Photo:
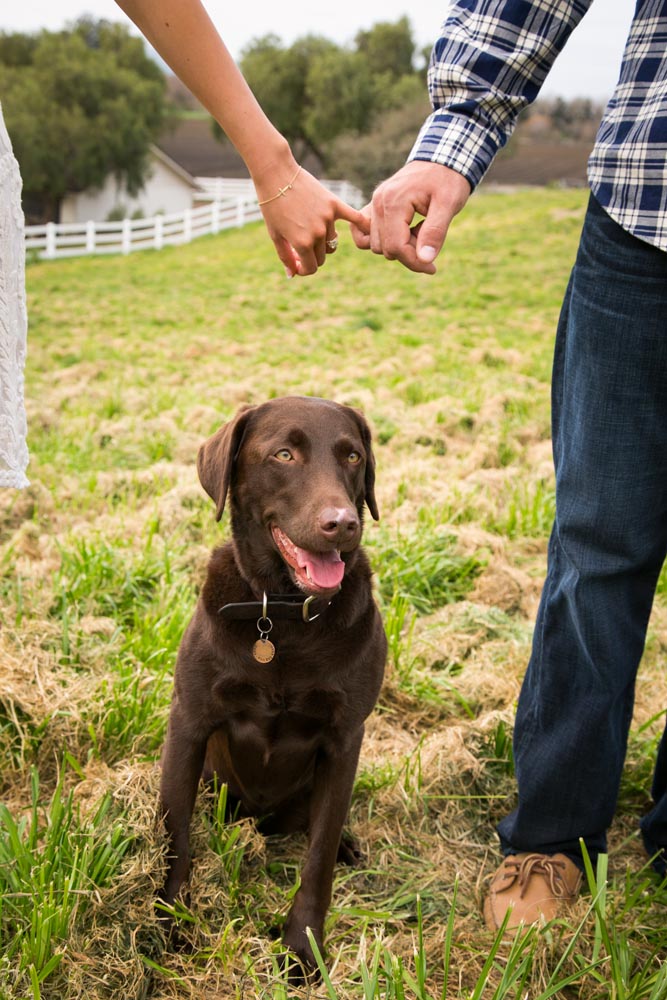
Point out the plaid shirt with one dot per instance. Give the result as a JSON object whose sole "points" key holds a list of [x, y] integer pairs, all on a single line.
{"points": [[490, 63]]}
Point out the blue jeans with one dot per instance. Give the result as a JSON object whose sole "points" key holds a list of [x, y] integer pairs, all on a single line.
{"points": [[608, 544]]}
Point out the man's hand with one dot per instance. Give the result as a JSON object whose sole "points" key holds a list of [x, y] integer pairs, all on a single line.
{"points": [[419, 188]]}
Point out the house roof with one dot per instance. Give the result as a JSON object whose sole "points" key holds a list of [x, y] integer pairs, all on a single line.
{"points": [[172, 165], [190, 143]]}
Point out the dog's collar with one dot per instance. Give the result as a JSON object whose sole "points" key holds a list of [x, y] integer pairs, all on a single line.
{"points": [[279, 606]]}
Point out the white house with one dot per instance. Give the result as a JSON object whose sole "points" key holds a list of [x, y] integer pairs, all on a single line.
{"points": [[168, 188]]}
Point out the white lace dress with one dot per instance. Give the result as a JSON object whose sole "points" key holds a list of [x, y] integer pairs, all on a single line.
{"points": [[13, 320]]}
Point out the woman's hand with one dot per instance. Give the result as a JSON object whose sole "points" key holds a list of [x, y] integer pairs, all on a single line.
{"points": [[301, 220]]}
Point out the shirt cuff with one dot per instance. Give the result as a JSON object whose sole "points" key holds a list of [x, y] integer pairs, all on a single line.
{"points": [[457, 142]]}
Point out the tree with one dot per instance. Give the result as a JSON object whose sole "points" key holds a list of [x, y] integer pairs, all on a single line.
{"points": [[388, 48], [368, 159], [314, 91], [278, 78], [425, 57], [340, 96], [79, 105]]}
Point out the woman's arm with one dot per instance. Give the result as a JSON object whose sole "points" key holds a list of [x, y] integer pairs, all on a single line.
{"points": [[301, 221]]}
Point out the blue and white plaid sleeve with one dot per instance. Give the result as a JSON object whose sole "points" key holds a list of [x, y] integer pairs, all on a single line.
{"points": [[487, 66]]}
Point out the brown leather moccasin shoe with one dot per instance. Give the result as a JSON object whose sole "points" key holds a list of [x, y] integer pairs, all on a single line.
{"points": [[534, 887]]}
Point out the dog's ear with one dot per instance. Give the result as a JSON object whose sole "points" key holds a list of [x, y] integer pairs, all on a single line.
{"points": [[216, 458], [369, 484]]}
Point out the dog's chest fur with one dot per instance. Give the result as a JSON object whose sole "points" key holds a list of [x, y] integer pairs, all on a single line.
{"points": [[276, 709]]}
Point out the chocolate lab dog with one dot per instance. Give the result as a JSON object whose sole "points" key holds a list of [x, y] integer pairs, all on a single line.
{"points": [[283, 659]]}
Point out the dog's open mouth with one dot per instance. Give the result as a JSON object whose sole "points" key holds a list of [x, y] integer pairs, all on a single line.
{"points": [[314, 572]]}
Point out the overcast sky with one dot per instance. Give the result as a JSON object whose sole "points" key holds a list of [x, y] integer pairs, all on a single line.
{"points": [[587, 68]]}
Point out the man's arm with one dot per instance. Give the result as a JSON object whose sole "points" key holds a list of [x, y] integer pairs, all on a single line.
{"points": [[487, 66]]}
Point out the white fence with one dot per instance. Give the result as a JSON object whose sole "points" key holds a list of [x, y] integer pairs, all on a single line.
{"points": [[75, 239], [226, 204]]}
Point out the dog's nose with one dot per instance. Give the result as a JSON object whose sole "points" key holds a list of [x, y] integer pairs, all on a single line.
{"points": [[338, 523]]}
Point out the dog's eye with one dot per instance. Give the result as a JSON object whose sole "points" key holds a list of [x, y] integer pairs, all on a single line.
{"points": [[354, 458], [284, 455]]}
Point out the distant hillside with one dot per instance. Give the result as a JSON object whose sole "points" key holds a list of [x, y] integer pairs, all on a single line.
{"points": [[541, 161], [536, 154], [551, 145]]}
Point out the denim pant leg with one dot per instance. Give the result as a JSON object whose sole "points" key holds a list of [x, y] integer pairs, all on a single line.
{"points": [[654, 825], [608, 543]]}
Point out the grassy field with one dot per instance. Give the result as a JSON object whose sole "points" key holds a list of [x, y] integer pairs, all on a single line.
{"points": [[133, 362]]}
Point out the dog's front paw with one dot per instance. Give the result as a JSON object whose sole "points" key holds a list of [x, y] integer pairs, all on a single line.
{"points": [[167, 912], [297, 972], [300, 961], [164, 911]]}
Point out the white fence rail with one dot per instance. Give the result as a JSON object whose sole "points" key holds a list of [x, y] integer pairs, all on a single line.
{"points": [[76, 239], [227, 204]]}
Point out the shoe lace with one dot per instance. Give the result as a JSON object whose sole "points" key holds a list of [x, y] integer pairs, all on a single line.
{"points": [[537, 864]]}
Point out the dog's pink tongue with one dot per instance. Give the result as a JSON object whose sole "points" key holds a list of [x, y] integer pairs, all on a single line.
{"points": [[326, 569]]}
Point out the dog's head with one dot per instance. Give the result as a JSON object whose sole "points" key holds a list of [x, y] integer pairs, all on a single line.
{"points": [[299, 471]]}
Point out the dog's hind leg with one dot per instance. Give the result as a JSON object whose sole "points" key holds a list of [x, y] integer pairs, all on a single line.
{"points": [[349, 851]]}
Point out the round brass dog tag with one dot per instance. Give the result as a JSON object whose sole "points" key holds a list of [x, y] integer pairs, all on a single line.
{"points": [[263, 651]]}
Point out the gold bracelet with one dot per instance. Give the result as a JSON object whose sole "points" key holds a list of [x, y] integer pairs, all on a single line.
{"points": [[281, 191]]}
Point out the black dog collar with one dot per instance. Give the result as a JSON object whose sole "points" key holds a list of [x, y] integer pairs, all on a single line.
{"points": [[275, 606]]}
